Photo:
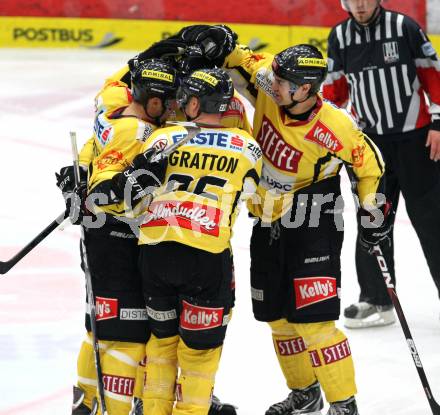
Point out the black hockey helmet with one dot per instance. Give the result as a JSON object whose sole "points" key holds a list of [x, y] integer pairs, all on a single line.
{"points": [[154, 78], [212, 86], [301, 64]]}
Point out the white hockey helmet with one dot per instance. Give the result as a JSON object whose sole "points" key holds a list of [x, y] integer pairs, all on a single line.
{"points": [[344, 4]]}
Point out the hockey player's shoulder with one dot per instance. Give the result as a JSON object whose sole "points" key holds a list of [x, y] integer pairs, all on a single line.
{"points": [[337, 117]]}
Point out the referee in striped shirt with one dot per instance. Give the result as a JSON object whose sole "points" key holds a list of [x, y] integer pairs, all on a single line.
{"points": [[383, 65]]}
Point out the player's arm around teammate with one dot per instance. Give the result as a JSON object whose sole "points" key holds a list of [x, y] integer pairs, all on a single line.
{"points": [[185, 254], [296, 244]]}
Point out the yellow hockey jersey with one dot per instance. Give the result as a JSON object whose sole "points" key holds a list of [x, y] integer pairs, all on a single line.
{"points": [[116, 140], [116, 94], [205, 180], [297, 154]]}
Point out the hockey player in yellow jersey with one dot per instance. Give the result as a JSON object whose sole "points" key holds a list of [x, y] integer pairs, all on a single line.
{"points": [[114, 96], [186, 258], [112, 250], [296, 243]]}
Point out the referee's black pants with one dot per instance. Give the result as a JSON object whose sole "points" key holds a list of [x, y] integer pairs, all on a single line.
{"points": [[409, 171]]}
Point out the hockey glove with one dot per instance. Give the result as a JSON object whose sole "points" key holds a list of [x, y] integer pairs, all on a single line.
{"points": [[66, 178], [141, 177], [216, 41], [375, 227], [74, 198], [163, 49]]}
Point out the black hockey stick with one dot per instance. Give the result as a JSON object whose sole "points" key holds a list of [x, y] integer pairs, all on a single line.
{"points": [[7, 265], [89, 288], [435, 408]]}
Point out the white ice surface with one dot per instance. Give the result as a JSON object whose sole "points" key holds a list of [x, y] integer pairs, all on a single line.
{"points": [[44, 95]]}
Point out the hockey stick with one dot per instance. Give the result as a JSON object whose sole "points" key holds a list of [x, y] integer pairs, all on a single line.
{"points": [[435, 408], [89, 288], [7, 265]]}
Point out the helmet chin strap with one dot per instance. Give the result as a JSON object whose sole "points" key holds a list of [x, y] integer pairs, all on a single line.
{"points": [[295, 102], [157, 120]]}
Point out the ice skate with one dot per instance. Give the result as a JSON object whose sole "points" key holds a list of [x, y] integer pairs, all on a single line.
{"points": [[363, 314]]}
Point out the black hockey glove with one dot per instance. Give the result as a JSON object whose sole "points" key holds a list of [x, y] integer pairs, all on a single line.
{"points": [[217, 41], [141, 177], [66, 178], [166, 48], [374, 227], [74, 198]]}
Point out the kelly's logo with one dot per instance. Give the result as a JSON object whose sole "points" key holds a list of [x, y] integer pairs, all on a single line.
{"points": [[324, 137], [312, 290], [106, 308], [200, 318]]}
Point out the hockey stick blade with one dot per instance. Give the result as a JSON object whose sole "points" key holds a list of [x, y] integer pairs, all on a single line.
{"points": [[7, 265], [435, 408]]}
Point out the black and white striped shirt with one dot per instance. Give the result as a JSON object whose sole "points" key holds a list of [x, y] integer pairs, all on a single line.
{"points": [[384, 69]]}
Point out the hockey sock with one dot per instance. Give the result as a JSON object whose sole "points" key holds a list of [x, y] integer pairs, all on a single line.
{"points": [[86, 371], [331, 359], [161, 372], [292, 355], [119, 366], [196, 381]]}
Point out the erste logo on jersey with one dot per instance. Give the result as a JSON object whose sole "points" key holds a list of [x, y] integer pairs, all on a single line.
{"points": [[194, 317], [222, 140], [282, 155], [102, 128], [312, 290], [106, 308], [185, 214], [324, 137]]}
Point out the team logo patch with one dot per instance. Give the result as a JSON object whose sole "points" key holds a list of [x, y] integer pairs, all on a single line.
{"points": [[109, 159], [324, 137], [106, 308], [119, 385], [312, 290], [195, 317], [282, 155], [290, 347], [390, 52], [336, 352], [189, 215], [357, 156]]}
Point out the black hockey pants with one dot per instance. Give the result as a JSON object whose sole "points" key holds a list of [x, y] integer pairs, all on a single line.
{"points": [[409, 171]]}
